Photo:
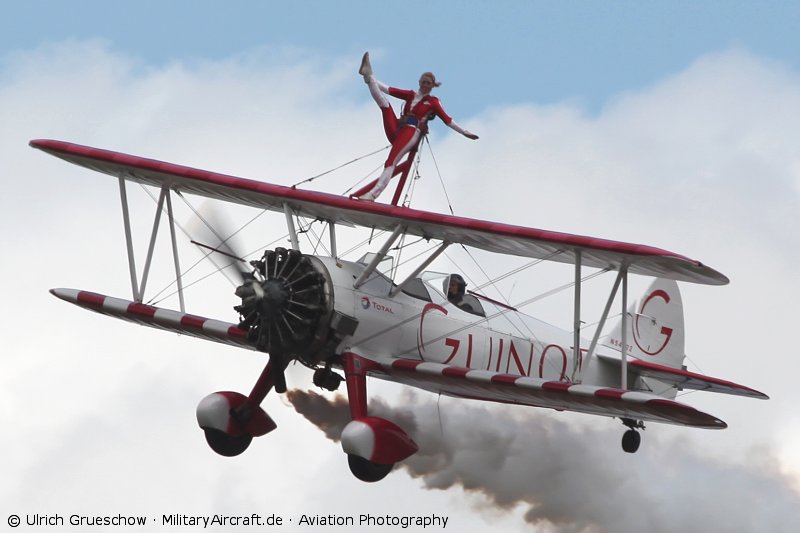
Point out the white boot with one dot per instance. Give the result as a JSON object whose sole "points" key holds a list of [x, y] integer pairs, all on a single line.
{"points": [[365, 69], [381, 184]]}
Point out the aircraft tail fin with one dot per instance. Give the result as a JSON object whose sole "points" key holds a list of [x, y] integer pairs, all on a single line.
{"points": [[655, 326]]}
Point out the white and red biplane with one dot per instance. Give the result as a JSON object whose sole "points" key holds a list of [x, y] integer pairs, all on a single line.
{"points": [[330, 314]]}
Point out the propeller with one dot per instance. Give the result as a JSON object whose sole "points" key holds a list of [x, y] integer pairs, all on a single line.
{"points": [[213, 232], [284, 300]]}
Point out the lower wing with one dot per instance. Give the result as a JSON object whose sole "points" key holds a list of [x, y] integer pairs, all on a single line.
{"points": [[562, 396], [157, 317]]}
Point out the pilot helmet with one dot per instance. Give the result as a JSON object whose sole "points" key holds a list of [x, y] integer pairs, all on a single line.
{"points": [[459, 281]]}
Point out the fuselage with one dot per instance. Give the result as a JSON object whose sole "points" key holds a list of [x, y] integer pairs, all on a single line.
{"points": [[420, 323]]}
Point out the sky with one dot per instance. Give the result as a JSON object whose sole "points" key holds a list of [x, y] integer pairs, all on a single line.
{"points": [[667, 123]]}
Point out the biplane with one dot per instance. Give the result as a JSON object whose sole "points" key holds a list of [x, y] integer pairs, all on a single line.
{"points": [[347, 320]]}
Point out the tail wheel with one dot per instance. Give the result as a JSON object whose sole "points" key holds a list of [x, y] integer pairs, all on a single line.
{"points": [[367, 470], [631, 440], [284, 308]]}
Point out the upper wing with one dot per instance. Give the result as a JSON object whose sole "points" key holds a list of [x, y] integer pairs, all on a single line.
{"points": [[559, 395], [492, 236]]}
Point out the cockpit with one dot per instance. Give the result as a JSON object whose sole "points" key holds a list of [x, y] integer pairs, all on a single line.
{"points": [[436, 287], [441, 288]]}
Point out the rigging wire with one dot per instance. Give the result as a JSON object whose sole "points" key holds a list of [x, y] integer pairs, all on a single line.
{"points": [[438, 172], [186, 233], [312, 178], [518, 269], [399, 248], [319, 244], [154, 300], [503, 298], [362, 243], [695, 364], [484, 319], [494, 281], [359, 182], [561, 288]]}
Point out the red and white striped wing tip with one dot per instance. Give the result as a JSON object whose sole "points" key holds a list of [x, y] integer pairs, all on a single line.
{"points": [[157, 317], [508, 388]]}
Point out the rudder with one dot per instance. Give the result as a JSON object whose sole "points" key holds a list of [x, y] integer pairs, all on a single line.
{"points": [[655, 326]]}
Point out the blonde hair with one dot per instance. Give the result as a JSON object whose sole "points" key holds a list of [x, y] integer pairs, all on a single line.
{"points": [[432, 77]]}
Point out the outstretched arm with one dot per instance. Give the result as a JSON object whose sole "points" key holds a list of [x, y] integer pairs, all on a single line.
{"points": [[466, 133], [447, 119]]}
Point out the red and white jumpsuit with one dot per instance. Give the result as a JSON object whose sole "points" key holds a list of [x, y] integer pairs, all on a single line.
{"points": [[404, 134]]}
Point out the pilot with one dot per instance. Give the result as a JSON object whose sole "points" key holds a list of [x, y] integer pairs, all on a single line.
{"points": [[456, 288], [404, 133]]}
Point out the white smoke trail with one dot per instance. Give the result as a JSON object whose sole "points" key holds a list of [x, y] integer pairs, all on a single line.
{"points": [[568, 476]]}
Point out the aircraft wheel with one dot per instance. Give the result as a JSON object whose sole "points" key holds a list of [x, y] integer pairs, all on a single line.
{"points": [[367, 470], [227, 445], [631, 440]]}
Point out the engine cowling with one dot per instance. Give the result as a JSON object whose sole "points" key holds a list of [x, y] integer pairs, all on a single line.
{"points": [[287, 305]]}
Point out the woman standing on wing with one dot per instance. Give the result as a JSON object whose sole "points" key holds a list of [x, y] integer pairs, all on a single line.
{"points": [[420, 106]]}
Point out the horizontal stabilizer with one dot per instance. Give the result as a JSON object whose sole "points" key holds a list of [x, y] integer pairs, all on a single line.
{"points": [[690, 380]]}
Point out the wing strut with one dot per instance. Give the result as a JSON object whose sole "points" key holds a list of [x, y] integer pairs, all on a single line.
{"points": [[332, 230], [290, 226], [126, 219], [378, 257], [420, 268], [150, 248], [178, 275], [624, 365], [576, 317], [137, 287], [604, 317]]}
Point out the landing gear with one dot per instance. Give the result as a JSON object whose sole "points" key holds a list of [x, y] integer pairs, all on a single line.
{"points": [[367, 470], [631, 439], [227, 445], [230, 420], [373, 445]]}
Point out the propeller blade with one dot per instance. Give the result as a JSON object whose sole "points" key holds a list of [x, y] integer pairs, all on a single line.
{"points": [[214, 232]]}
